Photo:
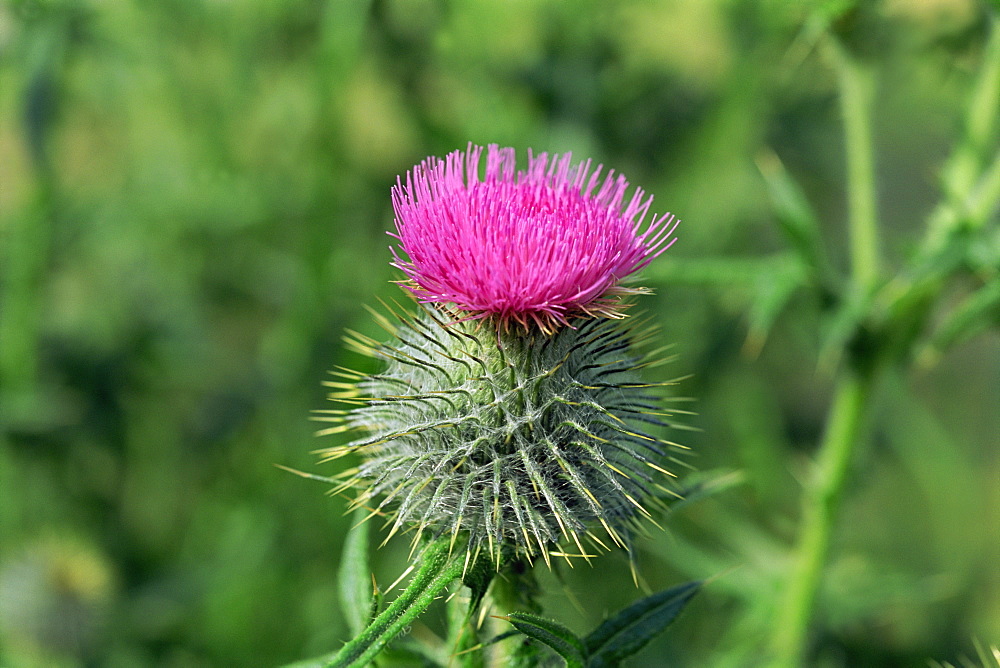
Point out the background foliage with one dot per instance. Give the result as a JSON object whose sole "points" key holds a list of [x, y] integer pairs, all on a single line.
{"points": [[193, 200]]}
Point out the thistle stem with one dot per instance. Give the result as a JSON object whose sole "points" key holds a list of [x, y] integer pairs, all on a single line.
{"points": [[515, 590], [821, 500], [821, 503], [440, 566], [856, 94]]}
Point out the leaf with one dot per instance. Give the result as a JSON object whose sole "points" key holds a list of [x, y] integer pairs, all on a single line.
{"points": [[722, 271], [354, 577], [796, 218], [771, 298], [967, 159], [705, 484], [977, 312], [631, 629], [563, 641], [526, 655]]}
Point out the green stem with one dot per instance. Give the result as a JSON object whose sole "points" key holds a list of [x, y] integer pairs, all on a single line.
{"points": [[856, 94], [462, 638], [983, 199], [821, 500], [515, 590], [821, 504], [440, 566], [966, 163]]}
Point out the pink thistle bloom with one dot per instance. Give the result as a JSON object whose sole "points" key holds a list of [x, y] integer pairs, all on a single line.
{"points": [[529, 247]]}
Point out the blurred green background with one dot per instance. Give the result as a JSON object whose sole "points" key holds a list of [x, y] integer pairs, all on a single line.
{"points": [[194, 196]]}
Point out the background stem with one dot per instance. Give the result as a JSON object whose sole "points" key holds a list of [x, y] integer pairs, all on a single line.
{"points": [[821, 504], [856, 94], [821, 499]]}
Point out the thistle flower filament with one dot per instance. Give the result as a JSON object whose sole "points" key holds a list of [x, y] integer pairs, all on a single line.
{"points": [[533, 247]]}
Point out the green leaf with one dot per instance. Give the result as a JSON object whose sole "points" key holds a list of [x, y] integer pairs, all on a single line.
{"points": [[722, 271], [631, 629], [701, 485], [771, 298], [354, 576], [795, 216], [906, 305], [966, 162], [525, 655], [563, 641], [977, 312], [964, 202]]}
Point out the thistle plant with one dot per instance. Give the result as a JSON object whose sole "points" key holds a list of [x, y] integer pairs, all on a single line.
{"points": [[509, 422], [885, 316]]}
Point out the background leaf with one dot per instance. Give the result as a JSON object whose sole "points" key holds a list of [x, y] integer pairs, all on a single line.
{"points": [[552, 634], [194, 198], [354, 579], [796, 218], [631, 629]]}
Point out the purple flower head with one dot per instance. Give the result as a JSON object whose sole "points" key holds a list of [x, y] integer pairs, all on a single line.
{"points": [[532, 247]]}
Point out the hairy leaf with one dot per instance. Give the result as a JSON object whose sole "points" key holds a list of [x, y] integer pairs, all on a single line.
{"points": [[354, 576], [563, 641], [627, 632]]}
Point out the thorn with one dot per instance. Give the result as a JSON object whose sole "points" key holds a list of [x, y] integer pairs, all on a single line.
{"points": [[597, 540], [330, 431], [613, 534], [597, 504], [661, 469], [564, 556], [359, 523], [415, 542], [545, 554], [303, 474], [482, 617], [639, 506], [401, 577], [583, 553], [618, 471]]}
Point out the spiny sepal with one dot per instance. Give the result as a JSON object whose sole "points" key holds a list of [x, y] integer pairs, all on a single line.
{"points": [[521, 440]]}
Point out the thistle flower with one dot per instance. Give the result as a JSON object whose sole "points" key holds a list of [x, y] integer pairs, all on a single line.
{"points": [[530, 247], [523, 438]]}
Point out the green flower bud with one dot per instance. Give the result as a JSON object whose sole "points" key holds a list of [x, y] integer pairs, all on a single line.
{"points": [[525, 441]]}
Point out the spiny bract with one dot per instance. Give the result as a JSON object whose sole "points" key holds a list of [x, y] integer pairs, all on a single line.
{"points": [[523, 441]]}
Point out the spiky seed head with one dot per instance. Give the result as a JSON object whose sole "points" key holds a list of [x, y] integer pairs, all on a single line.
{"points": [[524, 441], [533, 247]]}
